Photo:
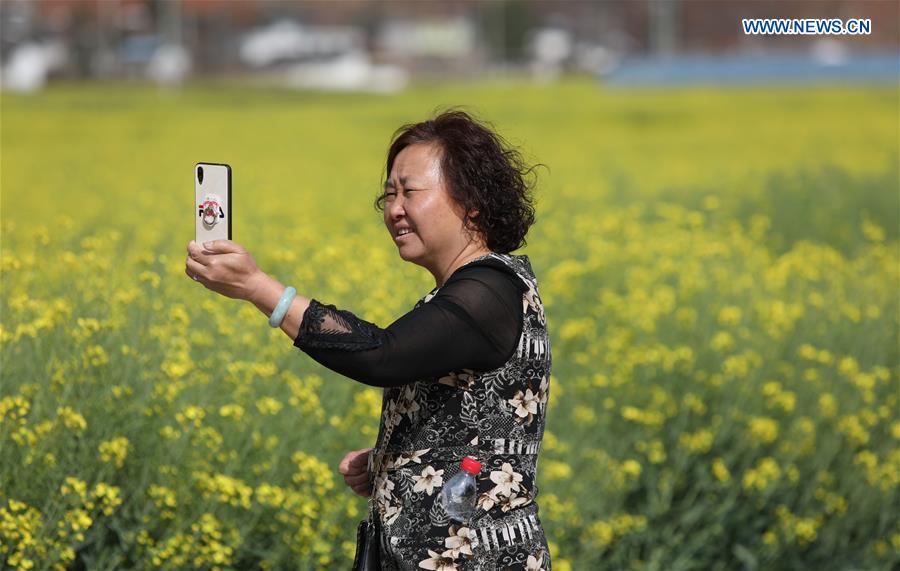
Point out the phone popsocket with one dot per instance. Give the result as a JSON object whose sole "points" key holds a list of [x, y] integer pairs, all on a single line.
{"points": [[211, 210]]}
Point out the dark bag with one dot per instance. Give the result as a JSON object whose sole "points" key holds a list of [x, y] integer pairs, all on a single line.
{"points": [[368, 551], [368, 535]]}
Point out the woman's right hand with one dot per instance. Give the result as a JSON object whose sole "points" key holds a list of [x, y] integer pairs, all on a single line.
{"points": [[356, 475]]}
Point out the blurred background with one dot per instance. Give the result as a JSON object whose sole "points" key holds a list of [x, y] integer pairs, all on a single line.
{"points": [[379, 45]]}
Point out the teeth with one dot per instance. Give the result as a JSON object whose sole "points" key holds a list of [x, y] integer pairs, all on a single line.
{"points": [[404, 231]]}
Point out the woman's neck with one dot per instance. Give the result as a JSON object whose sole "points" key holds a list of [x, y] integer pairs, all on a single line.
{"points": [[469, 253]]}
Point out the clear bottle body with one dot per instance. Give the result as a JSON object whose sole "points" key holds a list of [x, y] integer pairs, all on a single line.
{"points": [[459, 496]]}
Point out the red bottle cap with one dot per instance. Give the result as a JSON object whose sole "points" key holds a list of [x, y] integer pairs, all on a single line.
{"points": [[470, 465]]}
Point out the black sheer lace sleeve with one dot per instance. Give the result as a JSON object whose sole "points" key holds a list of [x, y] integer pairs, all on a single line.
{"points": [[473, 322], [327, 327]]}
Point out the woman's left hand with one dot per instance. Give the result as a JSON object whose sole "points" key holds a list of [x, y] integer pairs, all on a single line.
{"points": [[224, 267]]}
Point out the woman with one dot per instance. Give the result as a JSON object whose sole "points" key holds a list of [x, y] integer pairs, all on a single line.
{"points": [[465, 372]]}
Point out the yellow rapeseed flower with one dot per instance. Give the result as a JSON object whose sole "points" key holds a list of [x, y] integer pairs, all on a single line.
{"points": [[150, 277], [584, 414], [873, 231], [268, 405], [162, 496], [834, 503], [108, 496], [312, 471], [721, 341], [600, 533], [14, 410], [226, 489], [786, 400], [730, 316], [698, 442], [95, 355], [656, 452], [269, 495], [763, 430], [191, 415], [576, 328], [234, 411], [827, 405], [738, 366], [114, 450], [556, 470], [805, 530], [631, 468], [646, 417], [178, 314], [853, 429], [807, 351], [720, 471], [695, 403], [78, 519], [848, 366], [71, 419], [169, 433], [895, 430], [766, 473]]}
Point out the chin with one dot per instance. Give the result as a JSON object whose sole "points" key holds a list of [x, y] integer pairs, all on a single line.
{"points": [[410, 255]]}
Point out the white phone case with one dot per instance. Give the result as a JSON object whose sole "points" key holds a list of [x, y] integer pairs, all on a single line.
{"points": [[212, 201]]}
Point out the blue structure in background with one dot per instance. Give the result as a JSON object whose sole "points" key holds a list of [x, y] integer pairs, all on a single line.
{"points": [[746, 69]]}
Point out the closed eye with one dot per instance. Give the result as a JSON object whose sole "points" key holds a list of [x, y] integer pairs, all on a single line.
{"points": [[394, 193]]}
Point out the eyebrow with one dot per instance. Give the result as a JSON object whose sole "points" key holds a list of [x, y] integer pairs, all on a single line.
{"points": [[390, 184]]}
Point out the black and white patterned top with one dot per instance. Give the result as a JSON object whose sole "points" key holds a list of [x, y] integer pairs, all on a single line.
{"points": [[430, 423]]}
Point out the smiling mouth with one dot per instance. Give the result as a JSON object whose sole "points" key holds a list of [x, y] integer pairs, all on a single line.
{"points": [[402, 236]]}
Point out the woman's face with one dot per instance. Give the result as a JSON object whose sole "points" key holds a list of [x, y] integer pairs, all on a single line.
{"points": [[418, 204]]}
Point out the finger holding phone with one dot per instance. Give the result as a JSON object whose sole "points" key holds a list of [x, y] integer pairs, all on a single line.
{"points": [[224, 267]]}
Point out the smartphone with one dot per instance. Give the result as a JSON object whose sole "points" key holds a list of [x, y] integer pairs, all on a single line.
{"points": [[212, 197]]}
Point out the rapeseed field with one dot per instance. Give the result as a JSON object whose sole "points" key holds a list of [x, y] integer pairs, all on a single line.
{"points": [[719, 269]]}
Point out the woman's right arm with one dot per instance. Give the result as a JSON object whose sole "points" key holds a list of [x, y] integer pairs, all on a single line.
{"points": [[473, 322]]}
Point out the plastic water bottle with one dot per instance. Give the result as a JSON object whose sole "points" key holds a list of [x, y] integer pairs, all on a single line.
{"points": [[459, 494]]}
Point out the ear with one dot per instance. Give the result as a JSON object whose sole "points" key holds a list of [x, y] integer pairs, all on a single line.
{"points": [[470, 218]]}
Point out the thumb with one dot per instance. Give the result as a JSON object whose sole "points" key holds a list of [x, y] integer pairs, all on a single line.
{"points": [[222, 246]]}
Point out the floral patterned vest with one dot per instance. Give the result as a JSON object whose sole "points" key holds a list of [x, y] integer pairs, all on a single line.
{"points": [[494, 416]]}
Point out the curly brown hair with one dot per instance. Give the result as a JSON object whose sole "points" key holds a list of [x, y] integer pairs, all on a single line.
{"points": [[484, 175]]}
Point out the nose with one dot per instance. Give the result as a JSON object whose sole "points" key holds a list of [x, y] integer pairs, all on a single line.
{"points": [[395, 209]]}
